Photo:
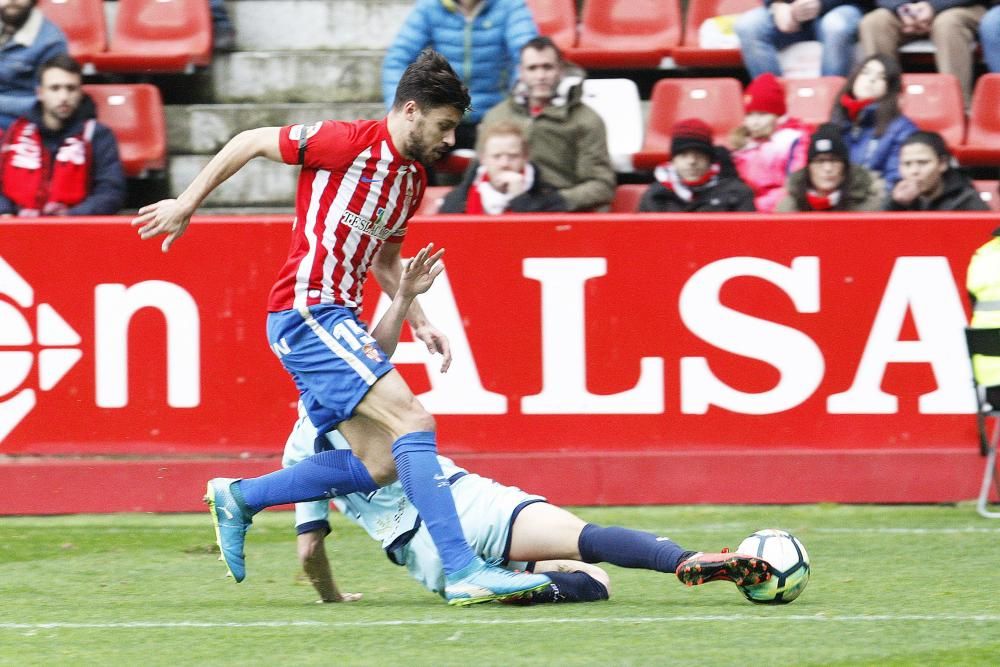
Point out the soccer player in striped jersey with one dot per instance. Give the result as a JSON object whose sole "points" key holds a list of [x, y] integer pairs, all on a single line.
{"points": [[359, 184]]}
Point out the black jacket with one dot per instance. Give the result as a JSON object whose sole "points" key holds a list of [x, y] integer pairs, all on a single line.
{"points": [[958, 194], [540, 198], [728, 194]]}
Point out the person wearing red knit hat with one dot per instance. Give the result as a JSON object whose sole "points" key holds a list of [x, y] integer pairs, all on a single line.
{"points": [[699, 176], [768, 145]]}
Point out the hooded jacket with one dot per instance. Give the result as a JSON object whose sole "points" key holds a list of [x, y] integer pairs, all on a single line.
{"points": [[105, 181], [568, 143], [484, 50], [35, 42], [766, 164], [863, 191], [725, 193], [957, 194]]}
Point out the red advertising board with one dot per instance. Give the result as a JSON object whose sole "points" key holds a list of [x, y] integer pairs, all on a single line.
{"points": [[598, 358]]}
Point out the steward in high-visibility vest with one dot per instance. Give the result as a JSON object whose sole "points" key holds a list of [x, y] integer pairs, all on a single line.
{"points": [[983, 283]]}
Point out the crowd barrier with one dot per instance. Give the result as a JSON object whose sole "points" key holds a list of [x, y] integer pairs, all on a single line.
{"points": [[600, 359]]}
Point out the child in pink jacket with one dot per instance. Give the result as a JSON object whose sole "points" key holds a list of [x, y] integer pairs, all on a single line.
{"points": [[769, 146]]}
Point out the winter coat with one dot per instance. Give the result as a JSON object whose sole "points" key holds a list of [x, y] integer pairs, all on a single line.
{"points": [[726, 194], [880, 154], [483, 50], [106, 192], [765, 165], [958, 194], [35, 42], [540, 197], [863, 191], [568, 143]]}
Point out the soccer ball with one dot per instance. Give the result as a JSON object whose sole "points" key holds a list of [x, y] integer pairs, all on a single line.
{"points": [[789, 566]]}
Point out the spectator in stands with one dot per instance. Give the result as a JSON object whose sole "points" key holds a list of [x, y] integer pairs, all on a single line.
{"points": [[698, 177], [58, 160], [928, 181], [223, 33], [768, 145], [989, 37], [504, 180], [950, 24], [829, 182], [27, 39], [764, 31], [481, 39], [567, 138], [869, 118]]}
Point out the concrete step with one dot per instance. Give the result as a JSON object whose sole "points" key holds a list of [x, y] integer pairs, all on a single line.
{"points": [[201, 129], [259, 183], [309, 25]]}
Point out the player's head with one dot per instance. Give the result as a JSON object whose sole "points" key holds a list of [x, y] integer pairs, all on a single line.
{"points": [[59, 89], [432, 99]]}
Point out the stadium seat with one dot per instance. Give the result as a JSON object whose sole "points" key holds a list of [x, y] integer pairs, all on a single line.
{"points": [[626, 33], [989, 193], [810, 100], [83, 23], [134, 112], [556, 19], [627, 197], [986, 342], [717, 101], [433, 197], [982, 144], [690, 52], [934, 102], [617, 101], [157, 36]]}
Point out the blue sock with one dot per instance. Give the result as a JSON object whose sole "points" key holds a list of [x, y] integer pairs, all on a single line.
{"points": [[323, 475], [628, 548], [428, 489]]}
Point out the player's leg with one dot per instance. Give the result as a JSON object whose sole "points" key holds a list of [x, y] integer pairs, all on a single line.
{"points": [[572, 581]]}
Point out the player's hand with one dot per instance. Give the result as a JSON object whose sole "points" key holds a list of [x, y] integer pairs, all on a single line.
{"points": [[905, 191], [436, 342], [419, 273], [342, 597], [164, 217]]}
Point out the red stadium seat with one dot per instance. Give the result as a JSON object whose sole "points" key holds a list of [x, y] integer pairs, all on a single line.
{"points": [[626, 33], [982, 145], [627, 197], [810, 100], [989, 193], [690, 53], [718, 102], [556, 19], [433, 197], [934, 102], [158, 36], [134, 112], [83, 23]]}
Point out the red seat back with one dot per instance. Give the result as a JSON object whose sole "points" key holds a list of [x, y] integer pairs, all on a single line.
{"points": [[627, 197], [627, 33], [718, 102], [433, 196], [163, 28], [82, 21], [934, 103], [556, 19], [811, 100], [988, 192], [984, 117], [134, 112]]}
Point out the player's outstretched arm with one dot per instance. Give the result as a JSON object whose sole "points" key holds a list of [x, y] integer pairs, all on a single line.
{"points": [[170, 217], [316, 565], [416, 277]]}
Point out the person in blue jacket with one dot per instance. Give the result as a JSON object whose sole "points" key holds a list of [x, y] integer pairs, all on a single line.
{"points": [[27, 39], [867, 113], [482, 41]]}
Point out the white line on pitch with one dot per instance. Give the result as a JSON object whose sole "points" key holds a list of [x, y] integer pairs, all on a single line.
{"points": [[882, 530], [782, 618]]}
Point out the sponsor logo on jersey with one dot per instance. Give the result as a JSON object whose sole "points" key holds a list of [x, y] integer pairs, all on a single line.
{"points": [[376, 227], [372, 352]]}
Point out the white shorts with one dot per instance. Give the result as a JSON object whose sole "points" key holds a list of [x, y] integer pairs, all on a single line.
{"points": [[486, 510]]}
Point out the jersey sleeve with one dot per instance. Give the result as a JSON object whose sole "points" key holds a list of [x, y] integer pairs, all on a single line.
{"points": [[318, 145]]}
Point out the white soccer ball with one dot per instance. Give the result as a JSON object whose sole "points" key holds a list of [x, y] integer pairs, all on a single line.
{"points": [[789, 563]]}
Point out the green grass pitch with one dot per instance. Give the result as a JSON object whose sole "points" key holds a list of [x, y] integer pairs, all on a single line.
{"points": [[891, 585]]}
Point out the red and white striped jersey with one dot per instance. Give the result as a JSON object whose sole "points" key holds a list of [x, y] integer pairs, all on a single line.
{"points": [[355, 192]]}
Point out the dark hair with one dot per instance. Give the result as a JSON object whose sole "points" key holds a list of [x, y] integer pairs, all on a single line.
{"points": [[61, 61], [932, 140], [431, 82], [888, 105], [541, 43]]}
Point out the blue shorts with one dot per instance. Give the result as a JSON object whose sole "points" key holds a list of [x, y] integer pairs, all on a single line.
{"points": [[332, 358]]}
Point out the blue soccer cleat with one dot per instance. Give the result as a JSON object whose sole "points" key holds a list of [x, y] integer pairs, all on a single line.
{"points": [[480, 582], [232, 519]]}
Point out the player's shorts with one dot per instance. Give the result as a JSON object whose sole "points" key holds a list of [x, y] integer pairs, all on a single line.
{"points": [[331, 357], [487, 511]]}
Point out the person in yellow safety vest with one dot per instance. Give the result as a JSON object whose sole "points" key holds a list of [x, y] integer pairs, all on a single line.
{"points": [[983, 283]]}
